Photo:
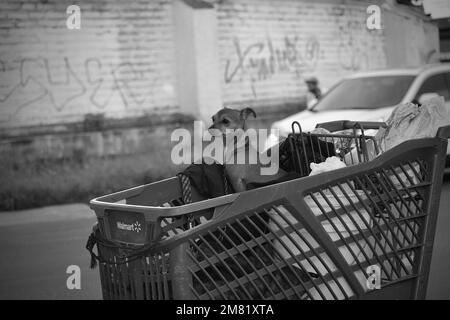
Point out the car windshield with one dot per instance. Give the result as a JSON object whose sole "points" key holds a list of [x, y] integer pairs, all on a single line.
{"points": [[366, 93]]}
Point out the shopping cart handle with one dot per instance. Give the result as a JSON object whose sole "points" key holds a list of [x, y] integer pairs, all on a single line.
{"points": [[346, 124], [443, 132]]}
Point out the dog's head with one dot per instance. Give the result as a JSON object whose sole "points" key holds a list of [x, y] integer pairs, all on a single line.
{"points": [[231, 119]]}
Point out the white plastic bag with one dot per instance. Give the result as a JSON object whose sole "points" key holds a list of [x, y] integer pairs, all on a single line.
{"points": [[331, 163], [409, 121]]}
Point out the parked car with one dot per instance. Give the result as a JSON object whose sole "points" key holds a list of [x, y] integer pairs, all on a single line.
{"points": [[371, 96]]}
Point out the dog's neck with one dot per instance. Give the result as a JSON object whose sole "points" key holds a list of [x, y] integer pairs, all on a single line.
{"points": [[233, 147]]}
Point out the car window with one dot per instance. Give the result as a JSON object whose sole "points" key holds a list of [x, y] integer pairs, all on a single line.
{"points": [[436, 84], [366, 93]]}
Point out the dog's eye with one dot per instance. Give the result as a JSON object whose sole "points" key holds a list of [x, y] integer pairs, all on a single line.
{"points": [[226, 121]]}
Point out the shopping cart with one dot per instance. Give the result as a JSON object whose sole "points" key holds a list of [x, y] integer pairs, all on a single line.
{"points": [[362, 232]]}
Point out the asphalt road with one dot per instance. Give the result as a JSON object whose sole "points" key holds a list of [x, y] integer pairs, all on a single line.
{"points": [[439, 281], [35, 254], [37, 246]]}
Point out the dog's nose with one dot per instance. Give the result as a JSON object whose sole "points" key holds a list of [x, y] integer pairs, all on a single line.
{"points": [[214, 131]]}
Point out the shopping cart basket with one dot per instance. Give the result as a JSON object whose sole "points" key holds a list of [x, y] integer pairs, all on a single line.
{"points": [[362, 232], [351, 143]]}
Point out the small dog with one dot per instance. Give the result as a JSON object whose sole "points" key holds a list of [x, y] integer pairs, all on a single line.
{"points": [[240, 174]]}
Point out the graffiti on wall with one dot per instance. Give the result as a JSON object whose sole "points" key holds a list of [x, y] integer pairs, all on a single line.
{"points": [[344, 45], [124, 78], [356, 45], [261, 60], [36, 80]]}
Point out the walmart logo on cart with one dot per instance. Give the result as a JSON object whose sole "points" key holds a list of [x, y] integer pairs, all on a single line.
{"points": [[136, 227]]}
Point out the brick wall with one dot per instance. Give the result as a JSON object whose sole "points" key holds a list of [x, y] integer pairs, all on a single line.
{"points": [[121, 62], [412, 40], [267, 47]]}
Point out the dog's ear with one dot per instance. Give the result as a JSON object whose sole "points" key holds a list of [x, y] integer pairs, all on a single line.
{"points": [[246, 112]]}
